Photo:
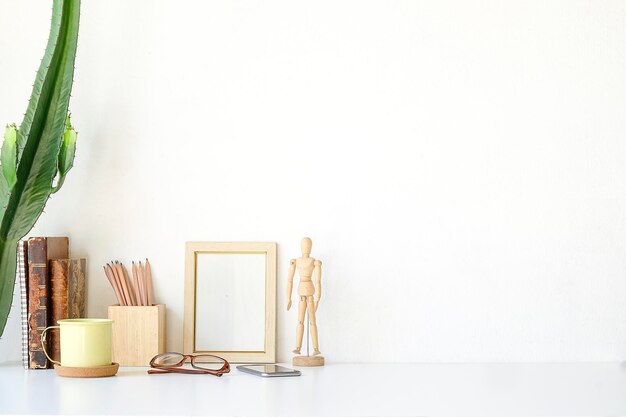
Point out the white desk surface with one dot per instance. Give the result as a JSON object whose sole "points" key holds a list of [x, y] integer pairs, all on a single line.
{"points": [[583, 389]]}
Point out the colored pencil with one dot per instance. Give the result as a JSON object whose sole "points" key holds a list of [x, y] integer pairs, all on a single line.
{"points": [[128, 282], [138, 294], [114, 285], [142, 283], [150, 297], [124, 285], [117, 282]]}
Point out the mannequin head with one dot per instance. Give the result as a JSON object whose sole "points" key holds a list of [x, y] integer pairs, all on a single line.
{"points": [[306, 245]]}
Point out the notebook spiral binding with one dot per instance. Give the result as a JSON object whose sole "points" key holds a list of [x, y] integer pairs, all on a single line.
{"points": [[20, 273]]}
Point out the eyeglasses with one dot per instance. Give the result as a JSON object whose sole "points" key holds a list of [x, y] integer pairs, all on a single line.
{"points": [[202, 364]]}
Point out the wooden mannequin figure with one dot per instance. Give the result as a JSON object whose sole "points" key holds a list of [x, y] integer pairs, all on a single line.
{"points": [[309, 298]]}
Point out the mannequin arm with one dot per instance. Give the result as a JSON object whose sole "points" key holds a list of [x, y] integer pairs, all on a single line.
{"points": [[292, 272], [317, 272]]}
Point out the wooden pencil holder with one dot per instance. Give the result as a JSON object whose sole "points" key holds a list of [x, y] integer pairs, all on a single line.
{"points": [[138, 333]]}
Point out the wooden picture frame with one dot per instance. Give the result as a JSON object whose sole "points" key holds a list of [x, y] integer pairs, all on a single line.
{"points": [[192, 250]]}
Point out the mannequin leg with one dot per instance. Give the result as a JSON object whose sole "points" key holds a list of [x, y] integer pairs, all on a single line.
{"points": [[300, 331], [312, 322]]}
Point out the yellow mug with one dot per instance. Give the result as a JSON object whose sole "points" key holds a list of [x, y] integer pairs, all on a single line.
{"points": [[84, 342]]}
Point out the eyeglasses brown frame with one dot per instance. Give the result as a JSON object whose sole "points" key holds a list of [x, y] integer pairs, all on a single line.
{"points": [[176, 368]]}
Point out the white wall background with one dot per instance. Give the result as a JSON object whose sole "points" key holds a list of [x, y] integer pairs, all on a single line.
{"points": [[460, 166]]}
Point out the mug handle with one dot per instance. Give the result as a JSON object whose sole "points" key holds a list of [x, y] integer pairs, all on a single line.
{"points": [[43, 343]]}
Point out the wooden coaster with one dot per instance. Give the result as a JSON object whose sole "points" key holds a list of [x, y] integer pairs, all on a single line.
{"points": [[308, 361], [90, 372]]}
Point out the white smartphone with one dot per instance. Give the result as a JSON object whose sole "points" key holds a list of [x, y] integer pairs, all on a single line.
{"points": [[268, 371]]}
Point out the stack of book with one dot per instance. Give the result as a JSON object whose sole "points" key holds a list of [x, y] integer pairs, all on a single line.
{"points": [[52, 288]]}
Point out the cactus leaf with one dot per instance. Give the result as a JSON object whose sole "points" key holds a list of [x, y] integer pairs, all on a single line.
{"points": [[39, 141], [8, 157], [66, 154], [4, 196], [44, 124], [68, 149]]}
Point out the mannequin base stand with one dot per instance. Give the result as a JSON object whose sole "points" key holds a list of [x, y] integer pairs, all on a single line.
{"points": [[308, 361]]}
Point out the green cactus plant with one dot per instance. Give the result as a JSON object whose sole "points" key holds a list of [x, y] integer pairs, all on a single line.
{"points": [[36, 157]]}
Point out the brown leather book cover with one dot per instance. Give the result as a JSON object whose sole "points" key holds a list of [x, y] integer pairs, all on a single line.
{"points": [[67, 301], [40, 251], [77, 288]]}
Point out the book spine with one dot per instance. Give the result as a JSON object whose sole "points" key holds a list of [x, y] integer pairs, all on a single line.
{"points": [[37, 300], [77, 289], [22, 248], [59, 274]]}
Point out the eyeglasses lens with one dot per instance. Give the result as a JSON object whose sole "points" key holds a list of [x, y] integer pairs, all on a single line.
{"points": [[209, 362], [168, 359]]}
